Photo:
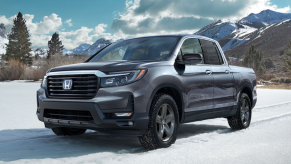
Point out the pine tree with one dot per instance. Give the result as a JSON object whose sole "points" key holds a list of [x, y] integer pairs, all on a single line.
{"points": [[288, 56], [36, 57], [2, 60], [269, 63], [253, 59], [55, 45], [19, 44]]}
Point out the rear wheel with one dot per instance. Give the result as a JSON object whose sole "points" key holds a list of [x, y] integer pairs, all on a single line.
{"points": [[163, 123], [242, 118], [68, 131]]}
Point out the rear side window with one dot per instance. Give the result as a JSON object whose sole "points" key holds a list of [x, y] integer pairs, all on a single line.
{"points": [[211, 53]]}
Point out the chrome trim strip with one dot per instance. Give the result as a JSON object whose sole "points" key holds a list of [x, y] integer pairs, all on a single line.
{"points": [[85, 72]]}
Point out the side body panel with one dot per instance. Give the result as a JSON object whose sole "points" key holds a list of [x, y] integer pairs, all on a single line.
{"points": [[244, 78], [223, 90], [198, 92]]}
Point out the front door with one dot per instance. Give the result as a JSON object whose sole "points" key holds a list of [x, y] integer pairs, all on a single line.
{"points": [[198, 83]]}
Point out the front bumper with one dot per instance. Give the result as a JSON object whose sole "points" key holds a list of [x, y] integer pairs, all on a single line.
{"points": [[107, 100]]}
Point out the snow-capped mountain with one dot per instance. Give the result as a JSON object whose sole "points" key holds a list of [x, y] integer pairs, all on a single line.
{"points": [[41, 52], [3, 39], [82, 49], [78, 50], [270, 40], [3, 33], [231, 34], [87, 49], [218, 29], [98, 45], [264, 18]]}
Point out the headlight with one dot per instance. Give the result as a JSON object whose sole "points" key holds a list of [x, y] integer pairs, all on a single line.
{"points": [[118, 80], [44, 82]]}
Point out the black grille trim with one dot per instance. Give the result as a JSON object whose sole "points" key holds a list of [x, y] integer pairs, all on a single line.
{"points": [[84, 86], [68, 115]]}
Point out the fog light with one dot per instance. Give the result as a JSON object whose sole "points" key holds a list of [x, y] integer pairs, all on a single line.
{"points": [[38, 110], [122, 114], [130, 123]]}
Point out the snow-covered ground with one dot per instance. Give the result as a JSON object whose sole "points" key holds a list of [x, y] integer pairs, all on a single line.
{"points": [[23, 139]]}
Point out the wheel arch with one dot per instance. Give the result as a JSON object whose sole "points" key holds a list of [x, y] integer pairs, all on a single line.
{"points": [[246, 88], [172, 90]]}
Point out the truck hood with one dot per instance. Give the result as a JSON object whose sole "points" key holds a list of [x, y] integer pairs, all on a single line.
{"points": [[108, 66]]}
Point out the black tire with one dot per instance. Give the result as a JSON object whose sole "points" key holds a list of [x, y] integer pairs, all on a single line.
{"points": [[158, 121], [68, 131], [241, 120]]}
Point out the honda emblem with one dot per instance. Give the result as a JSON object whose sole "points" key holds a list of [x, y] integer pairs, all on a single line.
{"points": [[67, 84]]}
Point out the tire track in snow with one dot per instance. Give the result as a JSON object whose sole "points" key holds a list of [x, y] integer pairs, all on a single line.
{"points": [[270, 119], [273, 105], [208, 135], [205, 133]]}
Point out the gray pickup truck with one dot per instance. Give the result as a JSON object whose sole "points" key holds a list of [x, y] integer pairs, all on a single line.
{"points": [[146, 87]]}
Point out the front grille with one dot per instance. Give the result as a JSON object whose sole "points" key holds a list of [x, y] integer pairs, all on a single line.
{"points": [[83, 86], [68, 115]]}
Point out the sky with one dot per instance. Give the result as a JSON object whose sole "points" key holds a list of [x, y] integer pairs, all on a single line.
{"points": [[86, 21]]}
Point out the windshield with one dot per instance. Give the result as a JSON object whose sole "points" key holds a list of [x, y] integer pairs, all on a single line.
{"points": [[151, 48]]}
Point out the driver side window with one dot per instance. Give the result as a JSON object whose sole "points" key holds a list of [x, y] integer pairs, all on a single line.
{"points": [[190, 45]]}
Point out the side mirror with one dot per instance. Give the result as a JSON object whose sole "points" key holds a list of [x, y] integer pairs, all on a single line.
{"points": [[192, 58]]}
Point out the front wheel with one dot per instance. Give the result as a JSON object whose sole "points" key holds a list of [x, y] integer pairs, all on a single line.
{"points": [[68, 131], [242, 118], [163, 123]]}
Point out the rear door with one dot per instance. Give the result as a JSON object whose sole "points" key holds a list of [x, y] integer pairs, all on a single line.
{"points": [[198, 83], [223, 92]]}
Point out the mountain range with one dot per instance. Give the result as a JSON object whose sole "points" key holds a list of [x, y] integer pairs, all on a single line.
{"points": [[231, 34], [268, 31], [82, 49]]}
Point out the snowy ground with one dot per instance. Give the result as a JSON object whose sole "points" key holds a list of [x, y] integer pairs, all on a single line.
{"points": [[23, 139]]}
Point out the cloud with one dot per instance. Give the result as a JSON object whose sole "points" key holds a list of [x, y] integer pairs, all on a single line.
{"points": [[69, 22], [39, 40], [41, 31], [49, 24], [74, 38], [100, 28], [8, 22], [144, 17]]}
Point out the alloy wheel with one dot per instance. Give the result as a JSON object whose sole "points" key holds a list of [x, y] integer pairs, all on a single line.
{"points": [[165, 121]]}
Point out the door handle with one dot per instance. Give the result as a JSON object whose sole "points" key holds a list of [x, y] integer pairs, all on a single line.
{"points": [[208, 72], [227, 71]]}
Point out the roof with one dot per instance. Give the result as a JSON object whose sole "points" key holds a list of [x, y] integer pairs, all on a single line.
{"points": [[177, 35]]}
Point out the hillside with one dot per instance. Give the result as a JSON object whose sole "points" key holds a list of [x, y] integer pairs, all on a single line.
{"points": [[268, 31], [231, 34], [270, 40], [264, 18]]}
